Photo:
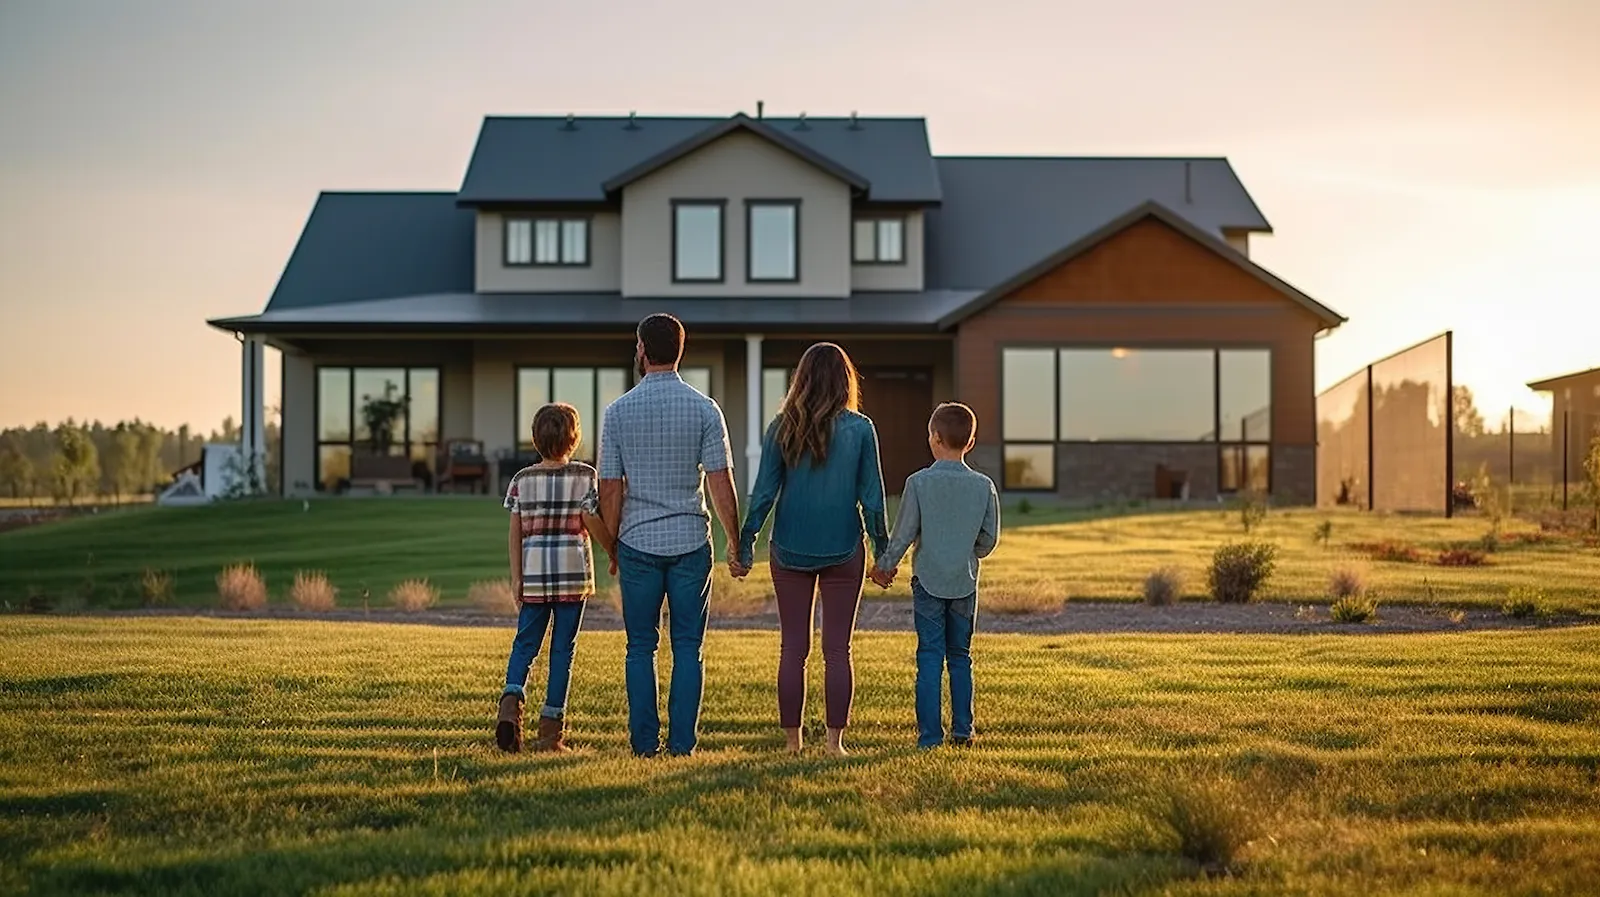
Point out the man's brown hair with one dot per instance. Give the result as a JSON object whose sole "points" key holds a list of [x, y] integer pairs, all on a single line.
{"points": [[662, 336], [556, 430], [954, 424]]}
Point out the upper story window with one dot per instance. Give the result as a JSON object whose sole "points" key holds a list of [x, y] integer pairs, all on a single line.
{"points": [[880, 241], [772, 227], [547, 241], [697, 241]]}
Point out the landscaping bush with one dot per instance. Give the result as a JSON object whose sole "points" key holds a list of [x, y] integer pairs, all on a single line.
{"points": [[1462, 556], [1206, 820], [155, 588], [494, 596], [1163, 587], [1239, 569], [414, 595], [1390, 550], [240, 587], [1524, 604], [313, 592], [1252, 507], [1347, 581], [1354, 609]]}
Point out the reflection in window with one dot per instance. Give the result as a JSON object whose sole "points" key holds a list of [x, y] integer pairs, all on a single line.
{"points": [[333, 466], [575, 386], [1246, 390], [348, 405], [589, 390], [697, 242], [774, 241], [1137, 395], [373, 387], [333, 405], [774, 386], [1030, 467], [1246, 468], [424, 406], [1028, 407]]}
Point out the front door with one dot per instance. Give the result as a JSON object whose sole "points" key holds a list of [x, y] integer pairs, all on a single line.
{"points": [[899, 401]]}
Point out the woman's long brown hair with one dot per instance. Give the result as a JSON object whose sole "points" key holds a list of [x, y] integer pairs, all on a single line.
{"points": [[825, 383]]}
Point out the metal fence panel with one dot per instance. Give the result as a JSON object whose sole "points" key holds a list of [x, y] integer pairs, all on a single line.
{"points": [[1343, 441]]}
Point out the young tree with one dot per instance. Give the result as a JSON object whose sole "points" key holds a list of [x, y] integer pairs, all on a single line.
{"points": [[122, 460], [16, 470], [77, 464]]}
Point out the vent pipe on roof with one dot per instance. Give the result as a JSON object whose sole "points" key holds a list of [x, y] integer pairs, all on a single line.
{"points": [[802, 126], [1188, 183], [854, 124], [571, 125], [761, 109], [633, 122]]}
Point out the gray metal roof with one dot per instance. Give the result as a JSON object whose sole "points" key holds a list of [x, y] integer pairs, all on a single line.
{"points": [[1001, 215], [544, 160], [374, 245], [542, 312]]}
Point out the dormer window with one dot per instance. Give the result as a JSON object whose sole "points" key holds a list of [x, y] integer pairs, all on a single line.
{"points": [[773, 230], [547, 242], [880, 240]]}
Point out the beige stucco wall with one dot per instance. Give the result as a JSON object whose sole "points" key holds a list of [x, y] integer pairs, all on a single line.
{"points": [[882, 278], [735, 168], [603, 273], [299, 424]]}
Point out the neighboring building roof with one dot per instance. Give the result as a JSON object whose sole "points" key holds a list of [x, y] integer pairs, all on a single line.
{"points": [[997, 291], [1001, 214], [374, 245], [1550, 383], [547, 159], [740, 122], [498, 312]]}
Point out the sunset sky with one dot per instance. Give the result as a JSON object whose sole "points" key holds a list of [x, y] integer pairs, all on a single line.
{"points": [[1427, 165]]}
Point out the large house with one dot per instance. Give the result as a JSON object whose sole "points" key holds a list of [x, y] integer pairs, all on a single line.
{"points": [[1101, 315], [1574, 419]]}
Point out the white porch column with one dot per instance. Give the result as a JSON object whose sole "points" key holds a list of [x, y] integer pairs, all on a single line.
{"points": [[754, 425], [253, 412]]}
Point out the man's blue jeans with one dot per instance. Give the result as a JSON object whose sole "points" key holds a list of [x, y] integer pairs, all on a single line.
{"points": [[944, 639], [531, 625], [684, 583]]}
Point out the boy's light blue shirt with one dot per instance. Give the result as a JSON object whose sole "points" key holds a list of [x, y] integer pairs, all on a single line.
{"points": [[823, 509], [952, 513]]}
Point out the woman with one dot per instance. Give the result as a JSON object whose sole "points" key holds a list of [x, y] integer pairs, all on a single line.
{"points": [[819, 463]]}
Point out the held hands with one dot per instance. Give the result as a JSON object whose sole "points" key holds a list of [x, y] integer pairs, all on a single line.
{"points": [[881, 577], [736, 569]]}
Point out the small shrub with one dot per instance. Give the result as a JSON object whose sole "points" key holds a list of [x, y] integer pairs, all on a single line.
{"points": [[494, 596], [1462, 556], [1493, 501], [1524, 604], [1354, 609], [240, 587], [1323, 534], [313, 592], [1163, 587], [1347, 581], [414, 595], [1024, 507], [1252, 508], [1391, 551], [1239, 569], [1208, 821], [155, 588]]}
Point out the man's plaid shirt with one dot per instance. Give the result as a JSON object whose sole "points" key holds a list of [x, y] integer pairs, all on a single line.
{"points": [[557, 562]]}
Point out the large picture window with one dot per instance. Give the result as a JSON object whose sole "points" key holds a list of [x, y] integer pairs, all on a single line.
{"points": [[697, 241], [589, 390], [772, 249], [350, 403], [1132, 395]]}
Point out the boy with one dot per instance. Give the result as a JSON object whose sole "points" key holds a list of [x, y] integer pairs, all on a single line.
{"points": [[554, 511], [952, 513]]}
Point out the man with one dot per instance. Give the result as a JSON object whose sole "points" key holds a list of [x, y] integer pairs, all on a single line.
{"points": [[657, 441]]}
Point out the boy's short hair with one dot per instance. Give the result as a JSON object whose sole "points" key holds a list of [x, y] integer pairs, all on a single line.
{"points": [[954, 424], [662, 336], [556, 430]]}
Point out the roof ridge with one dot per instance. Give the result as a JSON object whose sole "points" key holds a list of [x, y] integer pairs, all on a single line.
{"points": [[386, 193], [1070, 158]]}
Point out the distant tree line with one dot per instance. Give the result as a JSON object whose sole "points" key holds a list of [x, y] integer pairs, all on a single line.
{"points": [[74, 463]]}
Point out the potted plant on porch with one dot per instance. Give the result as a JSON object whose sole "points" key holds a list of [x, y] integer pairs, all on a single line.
{"points": [[372, 463]]}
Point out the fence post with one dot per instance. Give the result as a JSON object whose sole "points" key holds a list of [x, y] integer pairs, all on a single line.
{"points": [[1372, 474], [1511, 447]]}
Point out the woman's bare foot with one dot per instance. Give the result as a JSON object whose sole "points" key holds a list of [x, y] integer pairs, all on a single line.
{"points": [[836, 742], [793, 736]]}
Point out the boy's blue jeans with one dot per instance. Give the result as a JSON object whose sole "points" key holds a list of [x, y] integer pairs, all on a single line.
{"points": [[531, 624], [684, 583], [944, 639]]}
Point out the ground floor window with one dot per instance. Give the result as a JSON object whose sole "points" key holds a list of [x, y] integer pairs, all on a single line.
{"points": [[1054, 395], [589, 390], [367, 416], [698, 377], [774, 386]]}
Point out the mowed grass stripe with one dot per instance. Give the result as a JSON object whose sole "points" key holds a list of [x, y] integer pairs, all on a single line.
{"points": [[204, 756]]}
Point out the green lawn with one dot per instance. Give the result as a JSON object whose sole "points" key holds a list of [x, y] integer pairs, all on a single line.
{"points": [[212, 757], [1045, 557]]}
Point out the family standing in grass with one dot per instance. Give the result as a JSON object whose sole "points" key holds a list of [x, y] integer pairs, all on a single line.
{"points": [[664, 446]]}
